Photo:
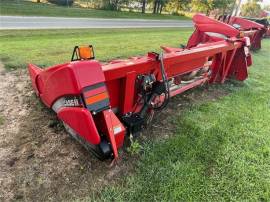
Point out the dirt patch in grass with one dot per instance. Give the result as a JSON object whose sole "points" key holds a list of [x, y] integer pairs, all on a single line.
{"points": [[39, 161]]}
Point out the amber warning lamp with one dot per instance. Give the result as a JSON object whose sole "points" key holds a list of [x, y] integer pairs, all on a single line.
{"points": [[83, 53]]}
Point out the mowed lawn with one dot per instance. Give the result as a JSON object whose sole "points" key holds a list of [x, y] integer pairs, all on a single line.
{"points": [[49, 47], [220, 150], [28, 8]]}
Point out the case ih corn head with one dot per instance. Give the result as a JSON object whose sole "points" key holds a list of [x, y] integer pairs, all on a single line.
{"points": [[101, 104], [254, 30]]}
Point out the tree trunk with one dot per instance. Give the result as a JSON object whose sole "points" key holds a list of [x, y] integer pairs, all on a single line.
{"points": [[158, 7], [238, 8], [159, 4], [234, 7], [116, 5], [161, 7], [38, 1], [177, 7], [143, 6], [155, 6]]}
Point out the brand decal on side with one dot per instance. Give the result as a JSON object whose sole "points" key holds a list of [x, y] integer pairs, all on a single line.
{"points": [[71, 102]]}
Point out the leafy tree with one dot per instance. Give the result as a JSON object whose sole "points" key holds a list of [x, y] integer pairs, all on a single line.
{"points": [[225, 6], [175, 6], [158, 5], [143, 5], [112, 4], [204, 6], [161, 5], [251, 9]]}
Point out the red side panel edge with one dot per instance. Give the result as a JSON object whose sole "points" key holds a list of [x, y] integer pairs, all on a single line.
{"points": [[33, 72], [245, 24], [65, 79], [80, 120], [206, 24], [114, 130]]}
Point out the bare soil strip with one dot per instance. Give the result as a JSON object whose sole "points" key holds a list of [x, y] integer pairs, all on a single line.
{"points": [[39, 161]]}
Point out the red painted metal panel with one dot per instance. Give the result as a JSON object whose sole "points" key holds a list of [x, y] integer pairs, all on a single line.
{"points": [[253, 30], [34, 71], [128, 97], [206, 24], [66, 79], [244, 23], [114, 130], [80, 120]]}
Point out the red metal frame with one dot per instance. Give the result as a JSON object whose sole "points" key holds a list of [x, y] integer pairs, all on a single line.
{"points": [[222, 57], [253, 30]]}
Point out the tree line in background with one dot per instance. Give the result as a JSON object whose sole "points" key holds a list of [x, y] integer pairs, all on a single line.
{"points": [[170, 6], [176, 7]]}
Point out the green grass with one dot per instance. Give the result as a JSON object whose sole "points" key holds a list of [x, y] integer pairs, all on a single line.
{"points": [[49, 47], [220, 151], [26, 8]]}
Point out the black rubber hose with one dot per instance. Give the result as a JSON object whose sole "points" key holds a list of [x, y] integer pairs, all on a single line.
{"points": [[166, 83], [167, 92]]}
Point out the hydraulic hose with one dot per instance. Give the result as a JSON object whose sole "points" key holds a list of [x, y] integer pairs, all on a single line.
{"points": [[166, 83], [154, 94]]}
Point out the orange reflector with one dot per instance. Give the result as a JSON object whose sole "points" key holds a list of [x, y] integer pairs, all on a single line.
{"points": [[86, 52], [96, 98]]}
